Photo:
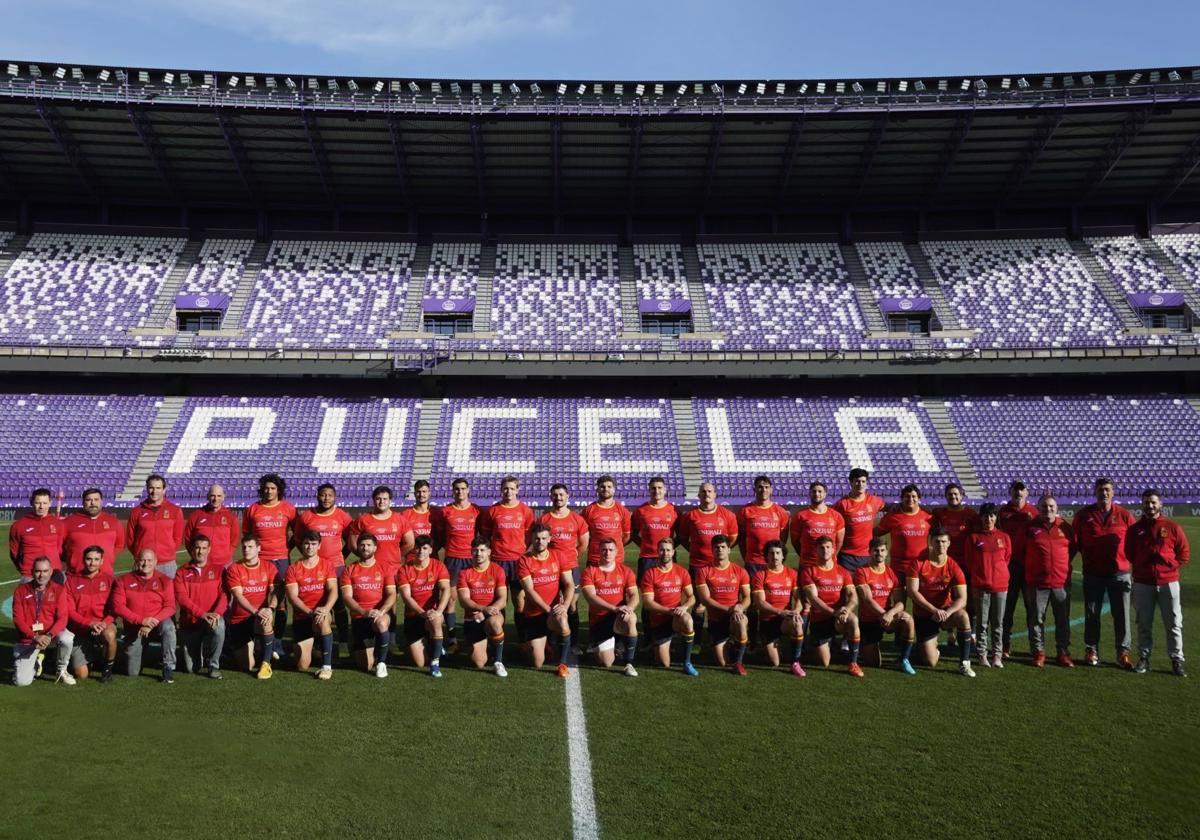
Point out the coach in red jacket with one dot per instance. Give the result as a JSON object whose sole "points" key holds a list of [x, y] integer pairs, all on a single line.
{"points": [[219, 524], [144, 600], [1049, 546], [202, 602], [93, 526], [37, 533], [91, 617], [1100, 531], [40, 612], [157, 525], [1157, 549]]}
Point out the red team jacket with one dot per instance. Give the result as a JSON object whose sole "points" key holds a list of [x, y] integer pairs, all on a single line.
{"points": [[987, 558], [51, 610], [1102, 540], [81, 531], [1157, 549], [158, 528], [199, 590], [136, 598], [1048, 552], [31, 537], [222, 528], [90, 601]]}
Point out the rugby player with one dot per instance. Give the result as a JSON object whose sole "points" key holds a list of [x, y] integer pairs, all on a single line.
{"points": [[606, 517], [507, 525], [816, 520], [908, 525], [938, 590], [311, 587], [369, 590], [333, 524], [1049, 547], [90, 617], [697, 527], [144, 600], [958, 520], [419, 520], [777, 597], [219, 524], [653, 521], [200, 594], [459, 525], [424, 587], [881, 609], [1100, 532], [989, 558], [272, 519], [94, 526], [156, 524], [669, 597], [859, 510], [832, 606], [759, 523], [483, 595], [611, 591], [1157, 549], [253, 588], [724, 589], [548, 589], [382, 523], [570, 536], [41, 610], [37, 533]]}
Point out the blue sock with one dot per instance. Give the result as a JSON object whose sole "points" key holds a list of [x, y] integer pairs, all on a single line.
{"points": [[383, 646], [630, 648], [451, 623], [906, 649], [964, 646], [739, 651], [268, 645], [437, 650], [687, 647], [497, 646], [564, 647], [327, 650], [797, 649]]}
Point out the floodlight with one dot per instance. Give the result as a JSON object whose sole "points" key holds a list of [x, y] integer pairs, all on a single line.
{"points": [[1068, 81], [535, 89], [1110, 79], [682, 89], [698, 88], [1196, 74], [840, 87], [497, 88], [1173, 75], [581, 90], [35, 71], [820, 87], [353, 85], [76, 73], [14, 70], [1005, 83], [313, 84], [561, 89], [1088, 81], [742, 89], [168, 78], [802, 89], [981, 86], [902, 86], [780, 88], [856, 87], [233, 81], [209, 79], [640, 89], [1155, 75], [60, 73], [144, 77], [436, 87], [476, 88], [185, 78], [966, 84], [1047, 82], [290, 82], [414, 87], [760, 88], [919, 86], [716, 89], [456, 88], [619, 89], [658, 89], [943, 84], [1023, 83], [379, 86], [394, 86], [598, 89], [272, 83], [252, 82], [515, 88]]}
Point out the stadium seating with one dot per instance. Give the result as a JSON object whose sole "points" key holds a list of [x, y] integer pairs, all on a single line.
{"points": [[659, 272], [218, 268], [1023, 293], [69, 443], [1184, 250], [889, 270], [1063, 444], [83, 290], [453, 270], [556, 296], [785, 296], [327, 294]]}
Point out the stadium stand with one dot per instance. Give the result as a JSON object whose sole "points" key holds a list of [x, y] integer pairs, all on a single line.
{"points": [[889, 270], [453, 270], [1129, 265], [660, 273], [218, 268]]}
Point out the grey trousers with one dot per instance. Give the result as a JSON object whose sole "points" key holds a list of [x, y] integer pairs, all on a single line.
{"points": [[25, 657], [1016, 587], [987, 616], [200, 645], [1036, 601], [1117, 587], [133, 644], [1165, 598]]}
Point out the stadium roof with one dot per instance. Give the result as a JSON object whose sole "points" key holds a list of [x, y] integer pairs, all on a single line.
{"points": [[74, 135]]}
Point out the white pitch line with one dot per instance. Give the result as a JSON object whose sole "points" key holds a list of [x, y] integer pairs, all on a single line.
{"points": [[583, 798]]}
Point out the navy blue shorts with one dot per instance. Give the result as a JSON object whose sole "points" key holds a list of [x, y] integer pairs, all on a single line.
{"points": [[853, 562], [821, 632], [602, 629], [534, 626], [718, 629], [302, 628], [510, 572], [661, 632], [927, 628], [362, 631], [414, 628], [645, 563], [455, 565], [474, 632], [770, 629], [871, 632]]}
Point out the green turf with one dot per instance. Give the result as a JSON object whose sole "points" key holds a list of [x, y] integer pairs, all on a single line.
{"points": [[1015, 753]]}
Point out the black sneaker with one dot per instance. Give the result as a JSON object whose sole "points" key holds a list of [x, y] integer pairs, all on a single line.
{"points": [[214, 673], [167, 677], [1177, 668], [106, 675], [1142, 666]]}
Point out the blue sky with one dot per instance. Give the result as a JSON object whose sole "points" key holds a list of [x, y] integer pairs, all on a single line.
{"points": [[514, 39]]}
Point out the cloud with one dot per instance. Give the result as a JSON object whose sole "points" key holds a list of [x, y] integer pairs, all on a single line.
{"points": [[378, 26]]}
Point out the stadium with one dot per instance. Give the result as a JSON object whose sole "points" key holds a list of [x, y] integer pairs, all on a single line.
{"points": [[961, 280]]}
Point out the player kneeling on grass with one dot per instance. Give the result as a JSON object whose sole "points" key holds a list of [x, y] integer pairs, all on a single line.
{"points": [[369, 592], [200, 594], [483, 594], [610, 589], [144, 600], [668, 598], [778, 601], [40, 614], [548, 591], [881, 609], [312, 591], [254, 593], [938, 589], [424, 587], [832, 606], [90, 618], [724, 590]]}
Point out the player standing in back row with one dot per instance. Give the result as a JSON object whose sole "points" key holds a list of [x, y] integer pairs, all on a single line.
{"points": [[858, 509], [506, 526], [458, 525], [697, 528]]}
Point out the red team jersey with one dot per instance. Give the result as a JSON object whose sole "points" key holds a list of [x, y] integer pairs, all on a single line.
{"points": [[310, 582], [482, 587], [988, 554], [610, 586], [613, 521], [666, 588], [387, 533], [256, 583], [652, 524], [829, 584], [81, 531], [860, 522], [1015, 523], [777, 587], [910, 537], [545, 575], [882, 585], [958, 524], [422, 584], [458, 530], [507, 528], [222, 529], [368, 584], [698, 528], [332, 528], [565, 532], [808, 525], [758, 526], [270, 524], [421, 524], [724, 585], [937, 583]]}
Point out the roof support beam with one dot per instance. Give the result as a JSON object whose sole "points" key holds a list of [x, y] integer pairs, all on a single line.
{"points": [[870, 150], [556, 152], [320, 156], [154, 148], [1130, 128], [635, 158], [401, 159], [958, 135], [714, 152], [788, 163], [69, 147], [480, 172], [1183, 168], [241, 160], [1033, 151]]}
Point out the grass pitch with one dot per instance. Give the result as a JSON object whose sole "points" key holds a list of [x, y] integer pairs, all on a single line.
{"points": [[1013, 753]]}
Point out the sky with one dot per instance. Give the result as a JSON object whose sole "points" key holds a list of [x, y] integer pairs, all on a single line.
{"points": [[617, 39]]}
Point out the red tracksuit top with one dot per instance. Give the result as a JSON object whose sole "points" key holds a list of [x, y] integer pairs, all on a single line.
{"points": [[31, 537], [223, 529], [1102, 541], [52, 613], [1048, 552], [136, 598], [90, 601], [199, 590], [1157, 549], [158, 528], [80, 531]]}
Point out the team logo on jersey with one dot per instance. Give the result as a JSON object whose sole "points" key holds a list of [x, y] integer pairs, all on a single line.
{"points": [[166, 514], [53, 529], [104, 524], [103, 586]]}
